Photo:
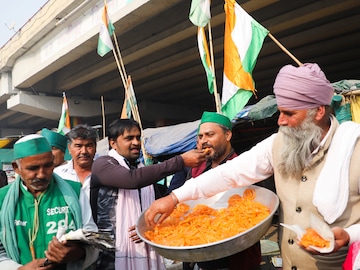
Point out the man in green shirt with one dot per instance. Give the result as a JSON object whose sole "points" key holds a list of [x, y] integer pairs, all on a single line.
{"points": [[35, 206]]}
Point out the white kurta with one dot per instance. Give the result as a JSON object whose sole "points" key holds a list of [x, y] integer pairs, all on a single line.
{"points": [[295, 195]]}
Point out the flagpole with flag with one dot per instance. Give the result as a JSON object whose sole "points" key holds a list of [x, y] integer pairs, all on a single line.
{"points": [[200, 16], [103, 116], [64, 122], [205, 58], [243, 39], [216, 93], [107, 29], [105, 45]]}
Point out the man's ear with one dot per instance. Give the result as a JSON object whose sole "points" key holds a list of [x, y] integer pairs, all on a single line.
{"points": [[112, 143], [15, 167], [228, 135], [321, 111]]}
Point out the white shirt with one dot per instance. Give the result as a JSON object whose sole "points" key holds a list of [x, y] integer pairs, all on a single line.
{"points": [[68, 172]]}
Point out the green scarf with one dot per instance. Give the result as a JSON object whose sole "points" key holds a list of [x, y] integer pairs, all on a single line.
{"points": [[7, 217]]}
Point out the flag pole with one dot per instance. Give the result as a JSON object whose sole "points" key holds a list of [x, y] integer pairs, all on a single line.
{"points": [[122, 71], [118, 52], [136, 114], [126, 82], [134, 108], [126, 85], [120, 57], [119, 68], [216, 94], [103, 115], [127, 94], [285, 50]]}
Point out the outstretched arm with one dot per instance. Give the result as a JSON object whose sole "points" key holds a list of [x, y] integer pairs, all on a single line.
{"points": [[107, 172]]}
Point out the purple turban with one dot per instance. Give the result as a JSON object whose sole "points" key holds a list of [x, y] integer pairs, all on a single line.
{"points": [[301, 88]]}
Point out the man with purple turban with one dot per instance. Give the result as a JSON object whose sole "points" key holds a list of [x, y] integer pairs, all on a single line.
{"points": [[314, 160]]}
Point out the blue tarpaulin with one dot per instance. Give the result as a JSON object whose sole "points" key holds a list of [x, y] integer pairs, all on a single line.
{"points": [[170, 140]]}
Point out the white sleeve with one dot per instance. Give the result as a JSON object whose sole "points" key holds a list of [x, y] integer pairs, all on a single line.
{"points": [[9, 264], [87, 218], [246, 169], [6, 262], [354, 233], [88, 224]]}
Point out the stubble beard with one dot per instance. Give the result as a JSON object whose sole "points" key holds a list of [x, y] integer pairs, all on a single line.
{"points": [[298, 144], [218, 153]]}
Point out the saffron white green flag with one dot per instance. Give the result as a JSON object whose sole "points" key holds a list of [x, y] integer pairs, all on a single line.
{"points": [[200, 12], [131, 99], [205, 58], [243, 40], [64, 122], [105, 44]]}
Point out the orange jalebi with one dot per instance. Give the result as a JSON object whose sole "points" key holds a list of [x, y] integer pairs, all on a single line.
{"points": [[312, 238], [203, 224]]}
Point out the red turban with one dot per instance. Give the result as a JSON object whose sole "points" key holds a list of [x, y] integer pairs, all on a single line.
{"points": [[301, 88]]}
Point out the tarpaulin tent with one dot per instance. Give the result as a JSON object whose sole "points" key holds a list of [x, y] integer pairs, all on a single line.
{"points": [[249, 125], [169, 140], [346, 101]]}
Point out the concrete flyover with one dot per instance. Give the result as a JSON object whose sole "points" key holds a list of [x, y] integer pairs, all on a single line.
{"points": [[55, 52]]}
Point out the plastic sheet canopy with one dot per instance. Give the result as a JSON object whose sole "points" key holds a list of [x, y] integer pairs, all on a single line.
{"points": [[170, 140]]}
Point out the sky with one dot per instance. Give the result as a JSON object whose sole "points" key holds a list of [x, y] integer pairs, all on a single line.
{"points": [[14, 14]]}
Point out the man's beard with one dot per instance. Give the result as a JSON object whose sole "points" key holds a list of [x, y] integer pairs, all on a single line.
{"points": [[298, 145], [218, 152]]}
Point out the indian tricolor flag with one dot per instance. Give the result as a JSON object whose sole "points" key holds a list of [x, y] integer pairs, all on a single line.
{"points": [[205, 58], [200, 12], [130, 98], [64, 122], [105, 44], [243, 39]]}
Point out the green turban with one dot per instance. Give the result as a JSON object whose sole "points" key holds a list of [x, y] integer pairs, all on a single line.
{"points": [[55, 139], [31, 145], [213, 117]]}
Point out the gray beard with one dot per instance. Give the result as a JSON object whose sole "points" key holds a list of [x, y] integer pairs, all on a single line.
{"points": [[297, 147]]}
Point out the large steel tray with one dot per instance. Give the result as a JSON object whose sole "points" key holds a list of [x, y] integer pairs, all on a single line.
{"points": [[224, 247]]}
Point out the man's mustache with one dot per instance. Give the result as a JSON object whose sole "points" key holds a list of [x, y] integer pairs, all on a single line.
{"points": [[206, 145], [84, 156], [38, 180]]}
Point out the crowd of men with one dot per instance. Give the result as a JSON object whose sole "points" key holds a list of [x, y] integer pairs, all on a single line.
{"points": [[314, 174]]}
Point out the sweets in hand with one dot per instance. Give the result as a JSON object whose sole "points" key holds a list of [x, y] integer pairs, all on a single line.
{"points": [[312, 238], [207, 150]]}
